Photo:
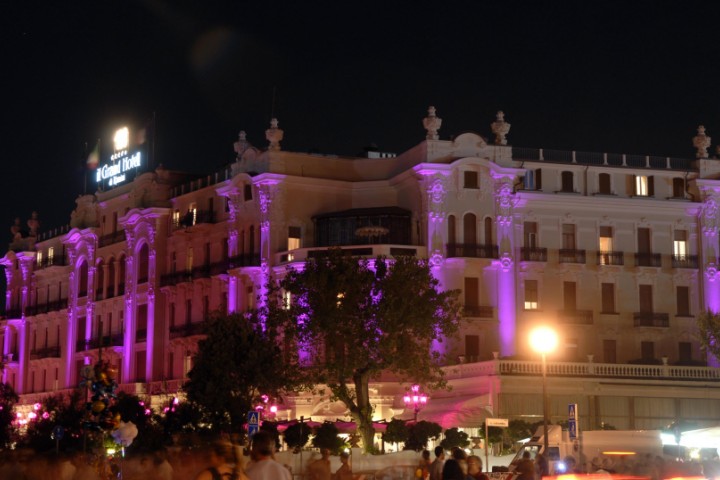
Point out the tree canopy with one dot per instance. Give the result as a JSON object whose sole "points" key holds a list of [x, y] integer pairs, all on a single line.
{"points": [[238, 361], [355, 318], [709, 333]]}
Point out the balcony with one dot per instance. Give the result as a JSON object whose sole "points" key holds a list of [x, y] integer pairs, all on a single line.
{"points": [[112, 238], [54, 261], [479, 311], [611, 258], [115, 340], [648, 260], [533, 254], [685, 261], [47, 307], [471, 251], [47, 352], [575, 317], [651, 319], [13, 313], [571, 256], [187, 330], [190, 220]]}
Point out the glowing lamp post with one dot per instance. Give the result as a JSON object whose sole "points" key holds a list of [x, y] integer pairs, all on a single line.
{"points": [[416, 400], [544, 340]]}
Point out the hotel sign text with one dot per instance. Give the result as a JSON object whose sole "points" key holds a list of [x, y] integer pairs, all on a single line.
{"points": [[122, 163]]}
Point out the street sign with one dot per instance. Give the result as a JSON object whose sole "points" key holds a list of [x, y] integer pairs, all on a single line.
{"points": [[573, 421], [572, 429], [253, 418], [252, 429], [496, 422]]}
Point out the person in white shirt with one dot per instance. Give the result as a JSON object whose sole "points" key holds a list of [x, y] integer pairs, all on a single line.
{"points": [[263, 466]]}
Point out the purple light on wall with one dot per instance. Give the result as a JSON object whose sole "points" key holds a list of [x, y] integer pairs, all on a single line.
{"points": [[506, 312]]}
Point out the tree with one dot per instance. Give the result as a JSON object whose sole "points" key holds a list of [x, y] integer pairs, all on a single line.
{"points": [[66, 411], [8, 399], [454, 438], [396, 432], [326, 436], [238, 361], [420, 433], [709, 332], [297, 436], [355, 318]]}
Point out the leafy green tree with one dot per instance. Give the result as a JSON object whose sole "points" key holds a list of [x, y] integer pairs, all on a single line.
{"points": [[8, 399], [397, 431], [455, 438], [297, 436], [709, 332], [357, 318], [64, 410], [239, 360], [326, 436], [420, 433], [518, 430]]}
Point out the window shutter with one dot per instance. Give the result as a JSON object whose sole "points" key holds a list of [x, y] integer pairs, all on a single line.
{"points": [[651, 186]]}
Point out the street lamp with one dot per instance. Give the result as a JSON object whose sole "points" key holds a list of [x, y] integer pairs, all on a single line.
{"points": [[415, 399], [544, 340]]}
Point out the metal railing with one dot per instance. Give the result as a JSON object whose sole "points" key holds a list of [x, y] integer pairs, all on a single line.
{"points": [[603, 159], [611, 258], [651, 319], [648, 260], [566, 255], [479, 311], [187, 330], [46, 352], [684, 261], [533, 254], [576, 317], [111, 238], [472, 251]]}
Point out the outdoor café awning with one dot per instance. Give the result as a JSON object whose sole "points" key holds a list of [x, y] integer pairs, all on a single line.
{"points": [[462, 411]]}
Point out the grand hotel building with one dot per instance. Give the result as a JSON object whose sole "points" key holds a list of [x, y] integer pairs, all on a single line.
{"points": [[617, 252]]}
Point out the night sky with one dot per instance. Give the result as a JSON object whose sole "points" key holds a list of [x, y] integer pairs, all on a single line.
{"points": [[620, 76]]}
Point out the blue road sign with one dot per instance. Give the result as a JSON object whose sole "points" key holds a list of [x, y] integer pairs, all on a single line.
{"points": [[253, 418], [572, 429], [252, 429]]}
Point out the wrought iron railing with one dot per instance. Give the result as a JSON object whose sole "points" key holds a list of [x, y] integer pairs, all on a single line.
{"points": [[471, 251], [566, 255], [533, 254], [651, 319], [611, 258], [648, 260], [685, 261]]}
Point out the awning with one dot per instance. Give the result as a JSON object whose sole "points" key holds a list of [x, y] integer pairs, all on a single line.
{"points": [[468, 411]]}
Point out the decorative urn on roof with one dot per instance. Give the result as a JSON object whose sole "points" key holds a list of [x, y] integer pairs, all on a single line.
{"points": [[432, 124], [274, 135], [500, 128], [701, 142]]}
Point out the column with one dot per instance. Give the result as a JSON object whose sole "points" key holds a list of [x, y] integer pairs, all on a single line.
{"points": [[505, 266], [708, 256]]}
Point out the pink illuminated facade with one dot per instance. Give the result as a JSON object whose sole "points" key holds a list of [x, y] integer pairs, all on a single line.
{"points": [[618, 253]]}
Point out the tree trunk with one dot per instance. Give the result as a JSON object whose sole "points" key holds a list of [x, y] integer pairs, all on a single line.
{"points": [[364, 413]]}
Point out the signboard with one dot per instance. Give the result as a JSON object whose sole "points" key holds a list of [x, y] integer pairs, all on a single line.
{"points": [[121, 165], [573, 421], [253, 418], [496, 422], [252, 430]]}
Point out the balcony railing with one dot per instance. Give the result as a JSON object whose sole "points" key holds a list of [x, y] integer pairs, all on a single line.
{"points": [[54, 261], [472, 251], [533, 254], [571, 256], [610, 258], [684, 261], [479, 311], [114, 340], [651, 319], [112, 238], [576, 317], [187, 330], [190, 220], [47, 307], [47, 352], [648, 260]]}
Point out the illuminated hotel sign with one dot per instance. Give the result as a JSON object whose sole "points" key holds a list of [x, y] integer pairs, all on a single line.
{"points": [[123, 161]]}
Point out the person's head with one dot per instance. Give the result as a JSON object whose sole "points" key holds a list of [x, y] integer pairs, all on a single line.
{"points": [[263, 445], [452, 471], [439, 452], [526, 455], [459, 454], [220, 453], [474, 464], [325, 453], [344, 458], [426, 454]]}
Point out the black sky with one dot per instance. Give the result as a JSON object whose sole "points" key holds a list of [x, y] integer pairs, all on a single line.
{"points": [[615, 76]]}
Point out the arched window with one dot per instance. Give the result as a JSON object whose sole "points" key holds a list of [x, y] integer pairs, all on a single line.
{"points": [[111, 278], [469, 234], [82, 279], [142, 264], [121, 276], [567, 182], [489, 232], [604, 184], [99, 280]]}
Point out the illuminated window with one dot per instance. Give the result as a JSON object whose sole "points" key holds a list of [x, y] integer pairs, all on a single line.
{"points": [[193, 212], [340, 297], [51, 255], [606, 245], [294, 238], [531, 295], [680, 244], [39, 258], [643, 186], [287, 300], [176, 218]]}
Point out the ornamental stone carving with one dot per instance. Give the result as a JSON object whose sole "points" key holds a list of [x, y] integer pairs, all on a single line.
{"points": [[432, 124], [701, 142], [436, 259], [709, 213], [265, 200], [500, 128], [711, 272], [504, 201], [504, 263], [437, 190], [241, 145], [274, 135]]}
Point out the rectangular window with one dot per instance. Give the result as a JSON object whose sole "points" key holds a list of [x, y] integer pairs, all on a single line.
{"points": [[470, 180], [646, 299], [247, 192], [205, 307], [530, 235], [606, 239], [193, 214], [643, 240], [683, 301], [531, 295], [176, 218], [604, 184], [538, 179], [39, 258], [608, 297], [140, 363], [51, 255], [293, 238], [647, 350], [680, 244], [189, 260], [570, 296], [287, 300], [472, 289], [609, 351], [171, 314], [685, 352], [568, 236], [472, 348], [141, 325], [644, 186]]}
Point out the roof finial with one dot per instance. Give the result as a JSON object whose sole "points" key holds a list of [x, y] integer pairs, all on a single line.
{"points": [[701, 142], [500, 128], [274, 135], [432, 124]]}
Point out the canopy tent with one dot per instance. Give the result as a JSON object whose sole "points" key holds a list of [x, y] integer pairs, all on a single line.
{"points": [[342, 426], [468, 411]]}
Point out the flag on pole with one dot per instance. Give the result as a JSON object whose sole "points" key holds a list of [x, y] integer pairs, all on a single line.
{"points": [[93, 159]]}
